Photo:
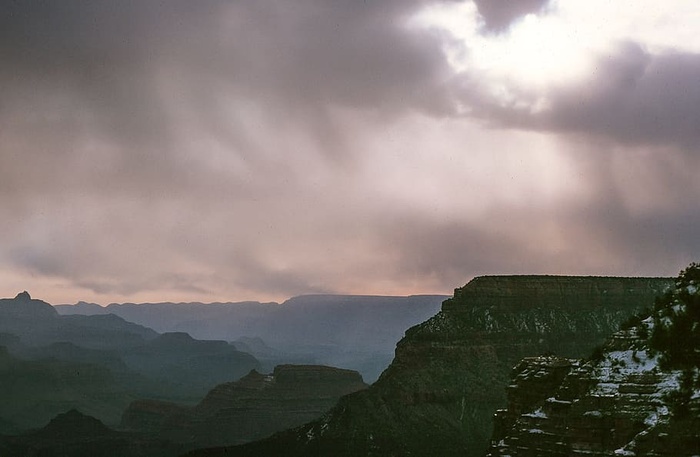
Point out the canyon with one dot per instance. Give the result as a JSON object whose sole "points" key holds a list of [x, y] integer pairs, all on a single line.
{"points": [[450, 373]]}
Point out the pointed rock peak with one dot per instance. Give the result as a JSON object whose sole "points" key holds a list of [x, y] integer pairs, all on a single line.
{"points": [[253, 380], [75, 423], [23, 306], [24, 296], [253, 375]]}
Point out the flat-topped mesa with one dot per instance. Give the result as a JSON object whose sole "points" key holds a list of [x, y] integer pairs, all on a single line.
{"points": [[545, 291], [318, 378]]}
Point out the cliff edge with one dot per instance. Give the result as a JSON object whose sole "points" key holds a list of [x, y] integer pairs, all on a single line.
{"points": [[638, 394], [449, 373]]}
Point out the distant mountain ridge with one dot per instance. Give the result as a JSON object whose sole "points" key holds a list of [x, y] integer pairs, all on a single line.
{"points": [[357, 332], [23, 306], [36, 323], [98, 363]]}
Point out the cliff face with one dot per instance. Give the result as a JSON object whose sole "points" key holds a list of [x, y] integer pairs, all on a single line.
{"points": [[636, 397], [449, 373], [617, 406], [251, 408]]}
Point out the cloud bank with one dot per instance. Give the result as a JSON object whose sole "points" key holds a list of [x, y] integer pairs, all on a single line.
{"points": [[256, 150]]}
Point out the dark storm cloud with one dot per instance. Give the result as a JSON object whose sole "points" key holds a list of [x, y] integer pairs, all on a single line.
{"points": [[451, 252], [633, 128], [313, 53], [600, 236], [112, 73], [499, 14], [632, 98], [201, 147], [642, 209], [637, 98]]}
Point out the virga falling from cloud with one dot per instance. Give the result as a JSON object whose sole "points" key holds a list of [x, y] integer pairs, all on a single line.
{"points": [[256, 150]]}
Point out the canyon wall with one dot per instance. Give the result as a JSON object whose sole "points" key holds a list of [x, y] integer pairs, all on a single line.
{"points": [[449, 374]]}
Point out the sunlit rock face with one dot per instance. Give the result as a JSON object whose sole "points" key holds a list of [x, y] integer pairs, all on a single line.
{"points": [[450, 373]]}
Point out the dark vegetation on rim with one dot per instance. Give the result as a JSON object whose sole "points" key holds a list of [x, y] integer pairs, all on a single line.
{"points": [[638, 394]]}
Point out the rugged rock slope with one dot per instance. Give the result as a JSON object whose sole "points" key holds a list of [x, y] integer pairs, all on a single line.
{"points": [[251, 408], [637, 397], [449, 374]]}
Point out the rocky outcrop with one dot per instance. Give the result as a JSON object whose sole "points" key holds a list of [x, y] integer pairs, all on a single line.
{"points": [[251, 408], [24, 307], [616, 406], [449, 373], [74, 422], [630, 399]]}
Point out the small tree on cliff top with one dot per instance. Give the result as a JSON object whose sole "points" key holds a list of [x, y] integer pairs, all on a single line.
{"points": [[677, 322]]}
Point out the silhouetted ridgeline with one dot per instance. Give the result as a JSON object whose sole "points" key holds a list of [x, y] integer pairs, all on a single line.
{"points": [[98, 364], [449, 374], [355, 332]]}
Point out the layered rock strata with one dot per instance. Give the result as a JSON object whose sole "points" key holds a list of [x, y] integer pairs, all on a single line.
{"points": [[618, 406], [449, 373], [638, 395]]}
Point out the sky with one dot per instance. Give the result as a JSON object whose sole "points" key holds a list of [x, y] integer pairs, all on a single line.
{"points": [[261, 149]]}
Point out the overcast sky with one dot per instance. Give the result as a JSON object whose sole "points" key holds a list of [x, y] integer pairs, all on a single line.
{"points": [[260, 149]]}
